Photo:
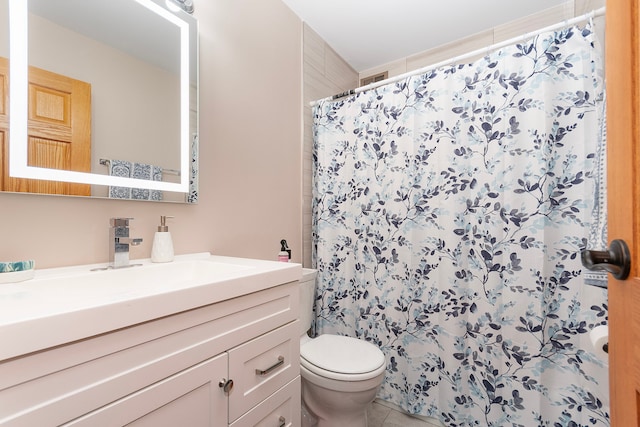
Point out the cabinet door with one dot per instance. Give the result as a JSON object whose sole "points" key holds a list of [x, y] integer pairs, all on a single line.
{"points": [[189, 398]]}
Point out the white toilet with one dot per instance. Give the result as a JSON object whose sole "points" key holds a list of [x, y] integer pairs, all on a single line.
{"points": [[340, 375]]}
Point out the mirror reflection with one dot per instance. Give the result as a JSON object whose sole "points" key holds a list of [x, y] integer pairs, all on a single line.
{"points": [[109, 98]]}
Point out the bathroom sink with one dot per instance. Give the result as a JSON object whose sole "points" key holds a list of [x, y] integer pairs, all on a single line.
{"points": [[60, 305], [97, 283], [166, 275]]}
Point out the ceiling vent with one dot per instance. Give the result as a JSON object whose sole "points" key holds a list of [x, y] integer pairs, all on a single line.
{"points": [[373, 79]]}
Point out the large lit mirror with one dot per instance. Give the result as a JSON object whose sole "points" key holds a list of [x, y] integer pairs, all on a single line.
{"points": [[101, 99]]}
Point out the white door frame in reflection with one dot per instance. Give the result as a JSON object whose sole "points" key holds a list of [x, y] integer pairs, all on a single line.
{"points": [[18, 109]]}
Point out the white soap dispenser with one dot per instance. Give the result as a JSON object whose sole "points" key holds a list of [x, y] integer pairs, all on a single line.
{"points": [[162, 250]]}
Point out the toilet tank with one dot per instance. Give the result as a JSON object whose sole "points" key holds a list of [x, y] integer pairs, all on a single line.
{"points": [[307, 294]]}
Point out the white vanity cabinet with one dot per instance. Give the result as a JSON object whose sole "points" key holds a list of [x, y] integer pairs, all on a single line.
{"points": [[169, 371]]}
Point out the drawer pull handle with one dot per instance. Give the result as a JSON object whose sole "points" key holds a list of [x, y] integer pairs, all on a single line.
{"points": [[226, 385], [283, 422], [279, 363]]}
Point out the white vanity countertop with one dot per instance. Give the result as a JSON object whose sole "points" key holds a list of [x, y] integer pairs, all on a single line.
{"points": [[61, 305]]}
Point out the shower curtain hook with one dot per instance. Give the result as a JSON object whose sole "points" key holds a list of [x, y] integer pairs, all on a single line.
{"points": [[591, 15]]}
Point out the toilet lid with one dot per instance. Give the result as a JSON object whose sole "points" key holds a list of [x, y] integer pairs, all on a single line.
{"points": [[341, 354]]}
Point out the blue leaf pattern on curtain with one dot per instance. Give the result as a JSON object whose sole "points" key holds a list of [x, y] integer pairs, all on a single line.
{"points": [[449, 212]]}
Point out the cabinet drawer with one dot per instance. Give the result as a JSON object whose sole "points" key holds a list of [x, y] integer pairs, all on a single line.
{"points": [[281, 409], [261, 366]]}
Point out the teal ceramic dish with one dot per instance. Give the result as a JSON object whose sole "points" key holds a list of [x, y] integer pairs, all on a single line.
{"points": [[10, 267], [17, 271]]}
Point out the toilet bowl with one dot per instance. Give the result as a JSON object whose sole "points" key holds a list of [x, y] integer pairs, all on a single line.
{"points": [[340, 375]]}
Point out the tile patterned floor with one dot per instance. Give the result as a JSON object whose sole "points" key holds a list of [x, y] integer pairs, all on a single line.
{"points": [[380, 415]]}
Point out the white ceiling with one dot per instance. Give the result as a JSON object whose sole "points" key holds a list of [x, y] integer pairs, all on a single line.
{"points": [[369, 33]]}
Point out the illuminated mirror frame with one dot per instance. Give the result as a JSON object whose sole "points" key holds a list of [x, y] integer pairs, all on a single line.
{"points": [[18, 109]]}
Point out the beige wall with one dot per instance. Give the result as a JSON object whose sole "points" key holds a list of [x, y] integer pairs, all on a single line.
{"points": [[250, 151]]}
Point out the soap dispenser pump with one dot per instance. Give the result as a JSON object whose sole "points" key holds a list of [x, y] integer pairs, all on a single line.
{"points": [[162, 250]]}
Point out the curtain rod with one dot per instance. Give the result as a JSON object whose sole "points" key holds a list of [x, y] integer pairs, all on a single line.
{"points": [[455, 59]]}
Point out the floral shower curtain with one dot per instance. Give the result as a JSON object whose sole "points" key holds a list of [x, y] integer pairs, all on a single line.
{"points": [[449, 212]]}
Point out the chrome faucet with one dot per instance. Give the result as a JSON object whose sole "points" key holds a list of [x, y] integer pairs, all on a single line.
{"points": [[119, 242]]}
